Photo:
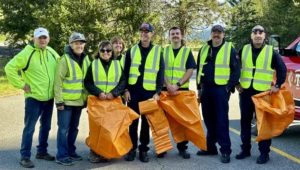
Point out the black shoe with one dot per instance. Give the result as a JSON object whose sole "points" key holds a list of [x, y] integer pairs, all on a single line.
{"points": [[143, 156], [242, 155], [263, 158], [184, 154], [45, 156], [26, 163], [203, 153], [225, 158], [130, 156], [161, 155]]}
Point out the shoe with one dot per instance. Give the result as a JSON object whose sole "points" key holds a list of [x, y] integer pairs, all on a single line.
{"points": [[242, 155], [161, 155], [94, 158], [263, 158], [204, 153], [75, 157], [130, 156], [65, 162], [45, 156], [26, 163], [225, 158], [143, 156], [184, 154]]}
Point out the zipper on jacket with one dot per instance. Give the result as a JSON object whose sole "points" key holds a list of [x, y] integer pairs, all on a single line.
{"points": [[47, 74]]}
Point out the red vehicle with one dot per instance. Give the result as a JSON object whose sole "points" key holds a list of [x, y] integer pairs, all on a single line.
{"points": [[291, 58]]}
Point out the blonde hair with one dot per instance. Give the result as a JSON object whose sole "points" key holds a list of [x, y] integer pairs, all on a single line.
{"points": [[116, 39]]}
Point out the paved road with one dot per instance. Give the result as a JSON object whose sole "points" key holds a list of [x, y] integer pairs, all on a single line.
{"points": [[11, 116]]}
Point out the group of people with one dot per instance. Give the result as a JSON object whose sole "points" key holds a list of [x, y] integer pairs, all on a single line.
{"points": [[142, 73]]}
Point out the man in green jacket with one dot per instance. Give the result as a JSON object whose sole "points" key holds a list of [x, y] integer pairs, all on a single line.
{"points": [[37, 64]]}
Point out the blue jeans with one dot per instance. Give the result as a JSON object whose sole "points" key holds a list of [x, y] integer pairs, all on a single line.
{"points": [[68, 121], [33, 110]]}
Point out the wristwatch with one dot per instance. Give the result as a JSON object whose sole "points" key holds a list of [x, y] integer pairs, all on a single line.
{"points": [[277, 86], [178, 84]]}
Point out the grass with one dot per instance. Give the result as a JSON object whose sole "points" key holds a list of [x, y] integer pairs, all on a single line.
{"points": [[6, 88]]}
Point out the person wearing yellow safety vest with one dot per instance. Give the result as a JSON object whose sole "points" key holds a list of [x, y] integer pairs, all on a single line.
{"points": [[217, 74], [37, 64], [259, 61], [70, 97], [144, 68], [179, 66], [118, 46], [104, 79]]}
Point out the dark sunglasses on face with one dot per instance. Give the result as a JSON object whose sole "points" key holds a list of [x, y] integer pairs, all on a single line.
{"points": [[257, 31], [105, 50]]}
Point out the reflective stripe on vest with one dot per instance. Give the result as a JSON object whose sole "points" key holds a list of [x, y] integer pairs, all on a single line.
{"points": [[222, 68], [73, 84], [263, 74], [175, 66], [106, 82], [122, 61], [151, 67]]}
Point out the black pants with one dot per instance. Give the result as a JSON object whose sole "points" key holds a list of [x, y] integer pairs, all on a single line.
{"points": [[214, 103], [247, 110], [138, 95]]}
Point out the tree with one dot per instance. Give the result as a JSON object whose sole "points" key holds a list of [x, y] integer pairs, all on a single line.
{"points": [[244, 17], [282, 18]]}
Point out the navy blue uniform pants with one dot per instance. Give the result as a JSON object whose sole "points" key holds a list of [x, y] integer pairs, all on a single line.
{"points": [[214, 103], [247, 110], [138, 95]]}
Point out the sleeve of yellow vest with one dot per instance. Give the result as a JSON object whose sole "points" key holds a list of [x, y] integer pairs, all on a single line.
{"points": [[13, 66], [61, 73]]}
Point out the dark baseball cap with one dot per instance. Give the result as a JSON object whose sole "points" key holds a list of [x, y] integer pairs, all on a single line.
{"points": [[258, 28], [217, 27], [146, 27]]}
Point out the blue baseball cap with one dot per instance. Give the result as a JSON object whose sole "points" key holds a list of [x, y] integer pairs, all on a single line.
{"points": [[146, 27]]}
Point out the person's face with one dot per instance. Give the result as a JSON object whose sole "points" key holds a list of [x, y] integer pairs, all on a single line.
{"points": [[145, 36], [175, 36], [41, 41], [117, 46], [258, 37], [78, 47], [105, 52], [217, 37]]}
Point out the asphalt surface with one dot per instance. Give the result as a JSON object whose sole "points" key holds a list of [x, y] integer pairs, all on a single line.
{"points": [[12, 114]]}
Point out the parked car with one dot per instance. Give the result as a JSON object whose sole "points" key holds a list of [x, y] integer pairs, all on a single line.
{"points": [[291, 58]]}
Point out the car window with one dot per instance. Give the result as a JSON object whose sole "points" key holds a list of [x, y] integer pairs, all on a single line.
{"points": [[298, 49]]}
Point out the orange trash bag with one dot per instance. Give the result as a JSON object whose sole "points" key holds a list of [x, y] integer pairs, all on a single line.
{"points": [[158, 123], [108, 122], [183, 114], [273, 113]]}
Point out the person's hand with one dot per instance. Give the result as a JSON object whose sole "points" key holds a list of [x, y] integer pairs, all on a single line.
{"points": [[170, 88], [127, 96], [109, 96], [239, 88], [155, 96], [62, 107], [27, 89], [102, 96], [274, 89]]}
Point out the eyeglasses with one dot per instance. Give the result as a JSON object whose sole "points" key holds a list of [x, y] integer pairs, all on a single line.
{"points": [[105, 50], [257, 31], [144, 31]]}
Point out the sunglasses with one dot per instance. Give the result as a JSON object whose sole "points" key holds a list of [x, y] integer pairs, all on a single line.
{"points": [[257, 31], [144, 31], [105, 50]]}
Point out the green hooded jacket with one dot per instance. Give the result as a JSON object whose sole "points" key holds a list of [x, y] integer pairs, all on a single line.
{"points": [[37, 67]]}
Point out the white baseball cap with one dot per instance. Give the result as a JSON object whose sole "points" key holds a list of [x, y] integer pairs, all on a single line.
{"points": [[40, 32]]}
